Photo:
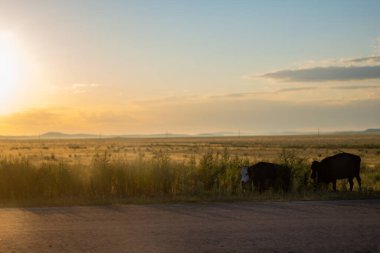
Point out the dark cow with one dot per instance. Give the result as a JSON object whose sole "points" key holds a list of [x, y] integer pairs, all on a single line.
{"points": [[263, 175], [340, 166]]}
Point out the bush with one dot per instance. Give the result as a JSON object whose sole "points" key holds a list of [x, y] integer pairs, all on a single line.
{"points": [[300, 169]]}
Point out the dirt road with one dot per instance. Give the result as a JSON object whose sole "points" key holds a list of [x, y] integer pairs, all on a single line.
{"points": [[324, 226]]}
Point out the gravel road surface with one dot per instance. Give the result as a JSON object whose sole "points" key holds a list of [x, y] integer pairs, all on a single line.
{"points": [[309, 226]]}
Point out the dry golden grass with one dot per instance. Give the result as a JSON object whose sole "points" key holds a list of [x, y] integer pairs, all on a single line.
{"points": [[254, 148], [104, 170]]}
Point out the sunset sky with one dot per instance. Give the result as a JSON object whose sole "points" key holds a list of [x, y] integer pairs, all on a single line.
{"points": [[138, 67]]}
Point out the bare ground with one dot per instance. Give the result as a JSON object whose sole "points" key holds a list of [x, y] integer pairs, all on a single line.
{"points": [[314, 226]]}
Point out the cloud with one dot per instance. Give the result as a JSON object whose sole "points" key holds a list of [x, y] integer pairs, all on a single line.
{"points": [[260, 94], [76, 88], [294, 89], [326, 74], [369, 60], [352, 69], [299, 94], [355, 87]]}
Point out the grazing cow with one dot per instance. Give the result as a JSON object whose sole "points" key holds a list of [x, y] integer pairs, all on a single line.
{"points": [[263, 175], [339, 166]]}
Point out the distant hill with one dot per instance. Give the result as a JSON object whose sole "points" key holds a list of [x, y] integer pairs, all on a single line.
{"points": [[166, 135], [59, 135], [218, 134], [367, 131], [373, 130]]}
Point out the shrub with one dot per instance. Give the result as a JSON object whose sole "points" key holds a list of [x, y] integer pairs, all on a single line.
{"points": [[300, 170]]}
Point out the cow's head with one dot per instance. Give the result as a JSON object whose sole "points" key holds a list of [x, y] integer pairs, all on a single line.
{"points": [[314, 170], [244, 176]]}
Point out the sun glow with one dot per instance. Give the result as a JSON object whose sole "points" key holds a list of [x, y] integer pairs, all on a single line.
{"points": [[11, 70]]}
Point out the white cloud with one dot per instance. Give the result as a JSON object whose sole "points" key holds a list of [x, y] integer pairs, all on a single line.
{"points": [[77, 88]]}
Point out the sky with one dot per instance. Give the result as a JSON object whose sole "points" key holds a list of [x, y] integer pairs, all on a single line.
{"points": [[144, 67]]}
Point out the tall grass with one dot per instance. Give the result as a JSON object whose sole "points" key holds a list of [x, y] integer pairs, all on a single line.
{"points": [[19, 180], [216, 173], [300, 180]]}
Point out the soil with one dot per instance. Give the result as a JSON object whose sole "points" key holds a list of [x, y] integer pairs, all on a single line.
{"points": [[309, 226]]}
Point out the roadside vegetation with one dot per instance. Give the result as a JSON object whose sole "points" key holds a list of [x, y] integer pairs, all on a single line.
{"points": [[158, 176]]}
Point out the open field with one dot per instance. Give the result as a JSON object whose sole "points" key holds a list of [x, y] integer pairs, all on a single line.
{"points": [[122, 170], [254, 148], [309, 226]]}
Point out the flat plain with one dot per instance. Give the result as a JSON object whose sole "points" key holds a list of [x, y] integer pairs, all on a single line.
{"points": [[255, 148]]}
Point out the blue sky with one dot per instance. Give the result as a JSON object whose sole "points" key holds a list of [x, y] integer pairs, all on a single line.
{"points": [[139, 66]]}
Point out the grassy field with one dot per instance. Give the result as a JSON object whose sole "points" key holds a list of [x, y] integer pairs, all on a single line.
{"points": [[34, 172]]}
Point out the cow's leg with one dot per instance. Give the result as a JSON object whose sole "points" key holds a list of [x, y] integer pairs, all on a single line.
{"points": [[261, 187], [351, 181], [285, 186], [359, 181], [334, 185]]}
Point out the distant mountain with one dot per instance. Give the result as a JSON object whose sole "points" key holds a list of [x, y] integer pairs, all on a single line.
{"points": [[372, 130], [167, 135], [58, 135], [53, 135], [5, 137], [367, 131], [217, 134]]}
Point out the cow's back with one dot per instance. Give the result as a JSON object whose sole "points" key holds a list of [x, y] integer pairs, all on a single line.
{"points": [[264, 172], [340, 166]]}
